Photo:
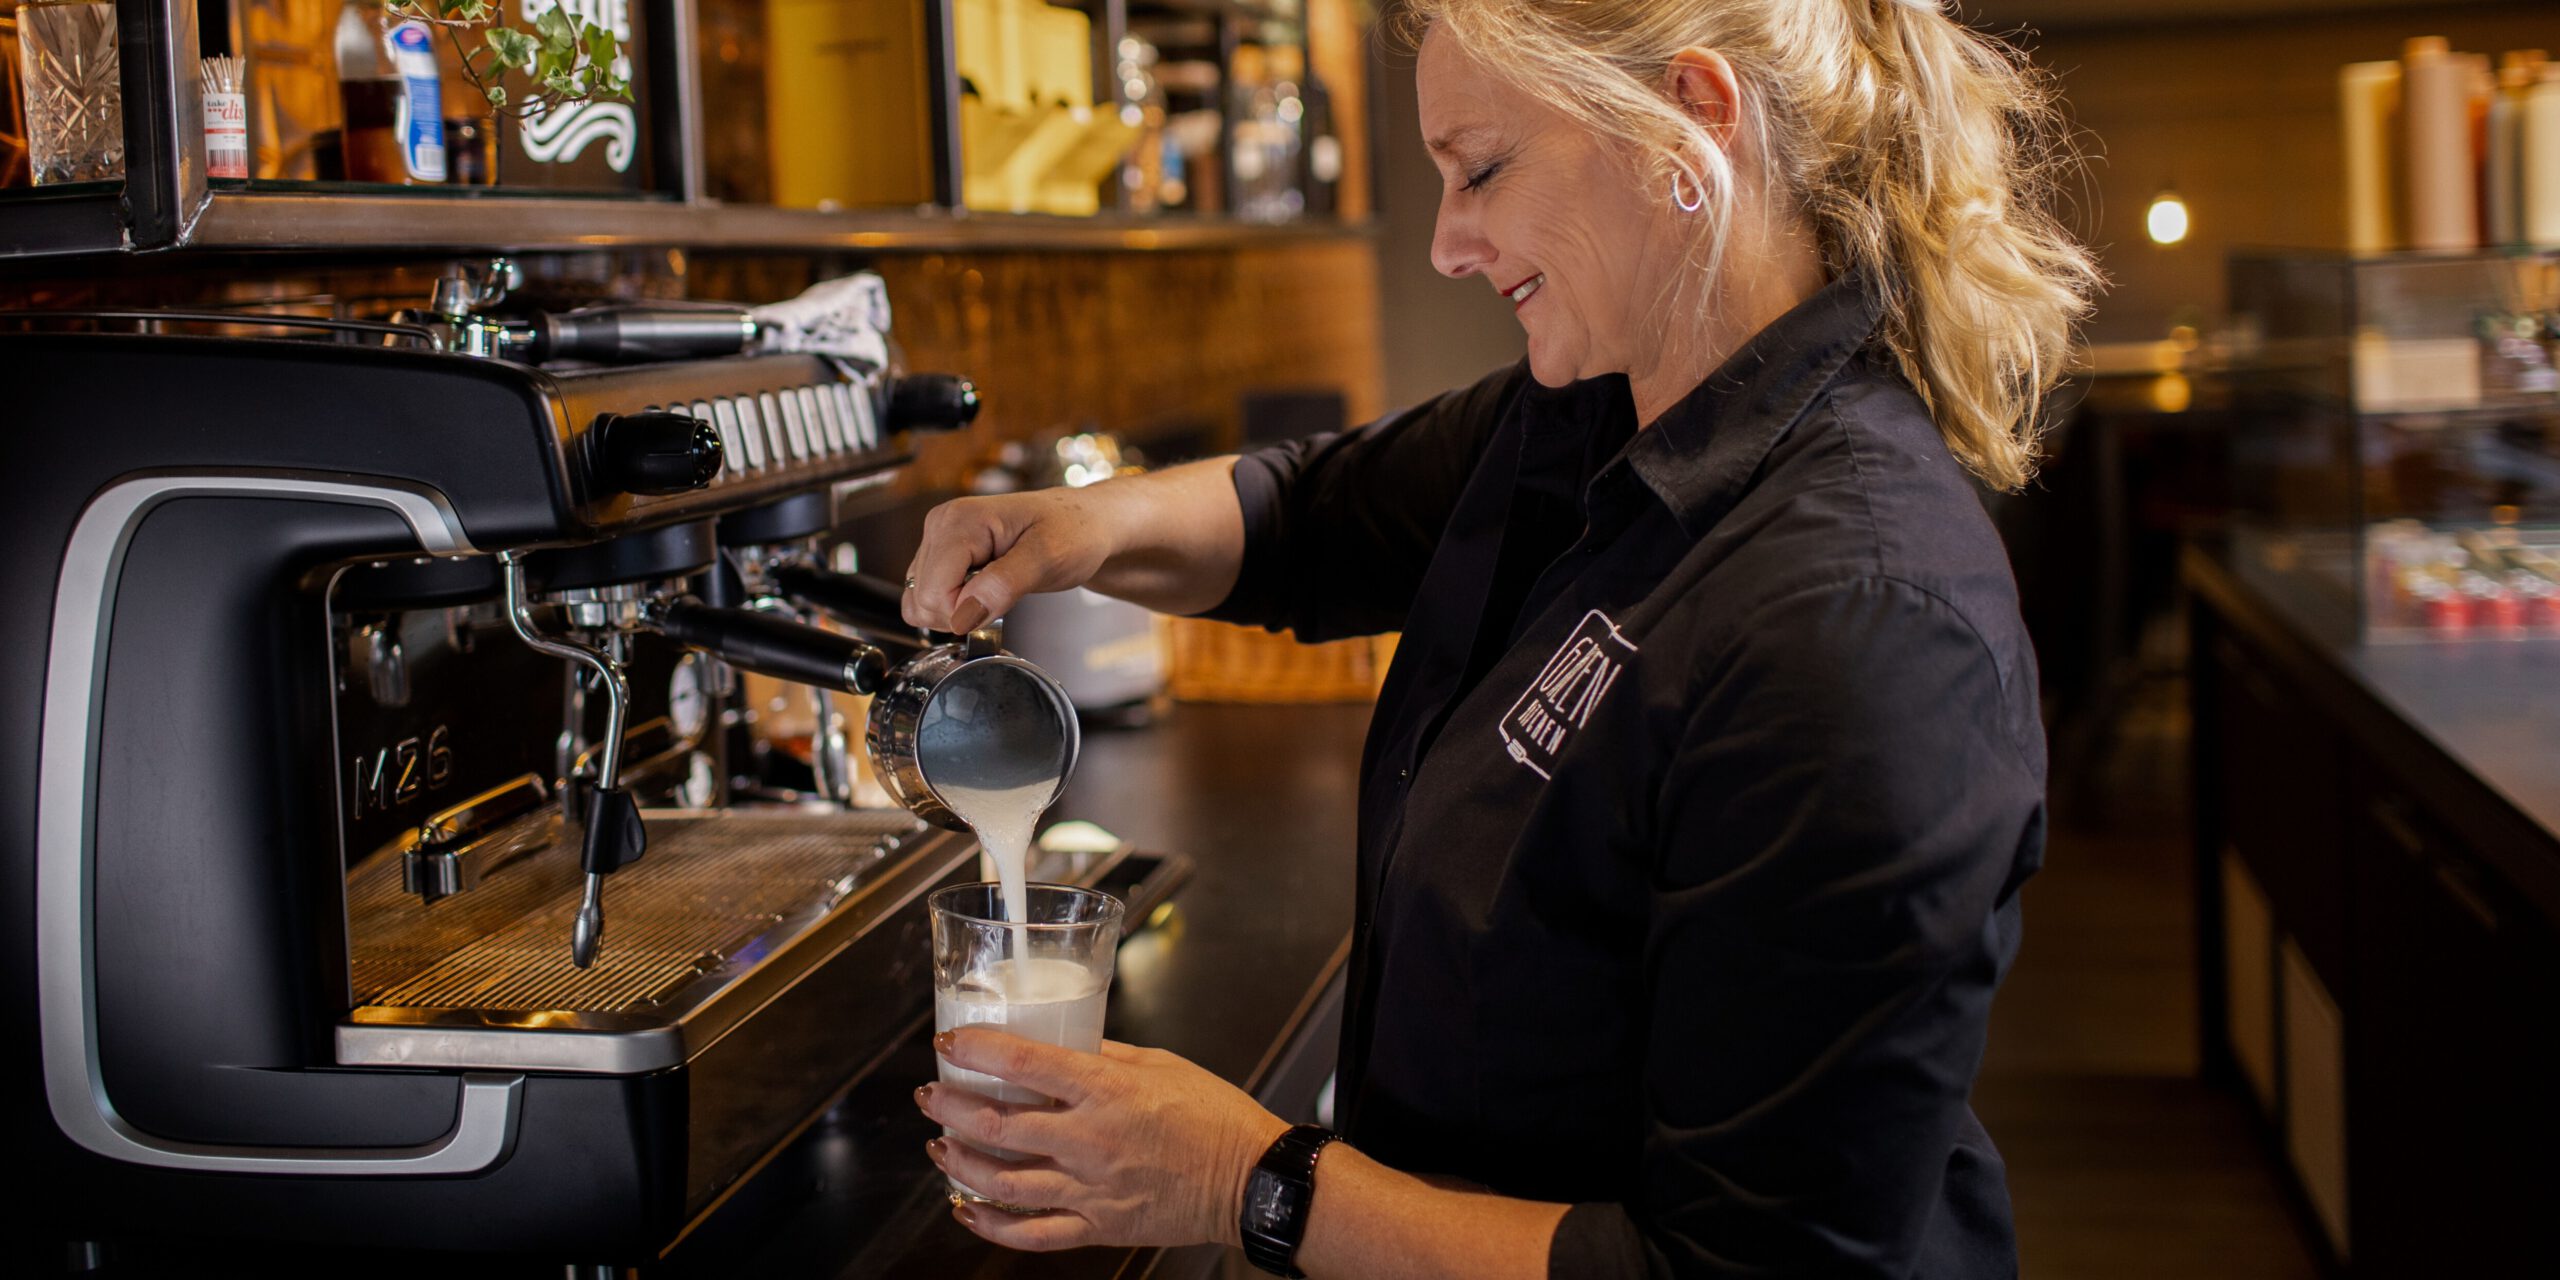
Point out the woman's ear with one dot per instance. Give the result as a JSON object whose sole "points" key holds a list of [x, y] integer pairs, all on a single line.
{"points": [[1704, 85]]}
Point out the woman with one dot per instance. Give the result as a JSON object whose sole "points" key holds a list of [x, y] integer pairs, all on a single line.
{"points": [[1696, 804]]}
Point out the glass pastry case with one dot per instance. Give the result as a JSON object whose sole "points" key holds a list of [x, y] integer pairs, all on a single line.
{"points": [[2397, 445]]}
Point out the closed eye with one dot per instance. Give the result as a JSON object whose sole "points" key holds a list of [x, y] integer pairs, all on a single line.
{"points": [[1481, 176]]}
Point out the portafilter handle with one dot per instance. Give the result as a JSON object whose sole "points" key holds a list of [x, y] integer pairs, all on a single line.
{"points": [[870, 605], [771, 645]]}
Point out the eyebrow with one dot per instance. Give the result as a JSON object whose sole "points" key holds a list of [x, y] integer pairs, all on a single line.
{"points": [[1449, 141]]}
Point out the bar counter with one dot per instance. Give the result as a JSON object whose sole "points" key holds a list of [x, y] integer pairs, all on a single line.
{"points": [[2378, 902]]}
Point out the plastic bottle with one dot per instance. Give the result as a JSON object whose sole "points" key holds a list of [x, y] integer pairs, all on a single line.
{"points": [[394, 102], [2540, 142], [2369, 106], [2501, 169], [2436, 93]]}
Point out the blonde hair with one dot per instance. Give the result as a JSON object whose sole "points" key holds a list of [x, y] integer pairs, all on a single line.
{"points": [[1922, 154]]}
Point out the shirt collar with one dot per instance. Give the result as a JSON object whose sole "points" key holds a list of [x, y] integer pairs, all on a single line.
{"points": [[1701, 454]]}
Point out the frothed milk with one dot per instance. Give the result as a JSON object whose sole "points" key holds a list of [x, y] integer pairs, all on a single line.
{"points": [[1051, 1001], [992, 745], [1003, 820]]}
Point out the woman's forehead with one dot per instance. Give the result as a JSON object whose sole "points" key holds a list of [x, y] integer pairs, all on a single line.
{"points": [[1458, 98]]}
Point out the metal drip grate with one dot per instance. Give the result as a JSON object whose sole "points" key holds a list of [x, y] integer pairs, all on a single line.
{"points": [[711, 888]]}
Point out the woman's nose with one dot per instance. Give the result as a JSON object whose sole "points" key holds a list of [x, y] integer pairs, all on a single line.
{"points": [[1458, 249]]}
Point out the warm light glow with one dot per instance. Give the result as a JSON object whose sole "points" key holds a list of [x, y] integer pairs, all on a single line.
{"points": [[2172, 393], [2167, 220]]}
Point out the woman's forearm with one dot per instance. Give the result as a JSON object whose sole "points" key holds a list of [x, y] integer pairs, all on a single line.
{"points": [[1177, 536], [1372, 1222]]}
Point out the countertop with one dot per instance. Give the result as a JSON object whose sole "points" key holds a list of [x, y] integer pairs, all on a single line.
{"points": [[2474, 722]]}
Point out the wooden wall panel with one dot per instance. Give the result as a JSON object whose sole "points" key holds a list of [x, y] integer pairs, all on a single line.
{"points": [[1141, 344]]}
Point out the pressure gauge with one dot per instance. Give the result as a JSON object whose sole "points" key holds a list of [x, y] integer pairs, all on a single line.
{"points": [[688, 702]]}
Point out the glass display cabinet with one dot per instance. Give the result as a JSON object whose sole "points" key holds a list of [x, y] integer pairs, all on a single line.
{"points": [[2399, 441], [751, 124]]}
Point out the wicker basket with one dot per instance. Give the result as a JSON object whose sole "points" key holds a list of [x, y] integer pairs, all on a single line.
{"points": [[1221, 662]]}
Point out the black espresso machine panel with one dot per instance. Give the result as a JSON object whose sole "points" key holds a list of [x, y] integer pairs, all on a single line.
{"points": [[371, 868]]}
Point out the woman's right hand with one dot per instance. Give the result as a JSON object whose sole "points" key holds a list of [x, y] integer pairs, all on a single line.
{"points": [[980, 555]]}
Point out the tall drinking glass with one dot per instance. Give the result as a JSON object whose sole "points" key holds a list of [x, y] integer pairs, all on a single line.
{"points": [[67, 68], [1044, 979]]}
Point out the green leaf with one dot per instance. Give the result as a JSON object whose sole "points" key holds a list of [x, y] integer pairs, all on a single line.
{"points": [[497, 95], [564, 84], [511, 47], [602, 47], [555, 26]]}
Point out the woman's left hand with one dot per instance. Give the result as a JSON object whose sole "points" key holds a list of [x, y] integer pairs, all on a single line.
{"points": [[1141, 1148]]}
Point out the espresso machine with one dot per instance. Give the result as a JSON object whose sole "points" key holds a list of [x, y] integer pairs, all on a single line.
{"points": [[374, 872]]}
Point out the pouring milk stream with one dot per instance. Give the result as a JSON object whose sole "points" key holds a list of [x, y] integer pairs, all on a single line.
{"points": [[994, 751]]}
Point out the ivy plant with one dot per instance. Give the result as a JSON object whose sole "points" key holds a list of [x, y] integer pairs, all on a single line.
{"points": [[562, 57]]}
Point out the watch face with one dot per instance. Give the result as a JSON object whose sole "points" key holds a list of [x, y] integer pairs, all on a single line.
{"points": [[1271, 1203]]}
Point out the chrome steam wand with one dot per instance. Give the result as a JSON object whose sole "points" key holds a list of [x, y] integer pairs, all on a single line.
{"points": [[614, 835]]}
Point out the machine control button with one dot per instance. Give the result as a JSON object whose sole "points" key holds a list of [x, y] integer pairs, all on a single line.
{"points": [[795, 429], [824, 431], [866, 424], [777, 441], [738, 423]]}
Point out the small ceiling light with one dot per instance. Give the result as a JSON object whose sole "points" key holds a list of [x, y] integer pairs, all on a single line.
{"points": [[2167, 218]]}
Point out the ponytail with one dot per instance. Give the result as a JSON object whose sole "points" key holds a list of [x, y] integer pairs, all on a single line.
{"points": [[1937, 185]]}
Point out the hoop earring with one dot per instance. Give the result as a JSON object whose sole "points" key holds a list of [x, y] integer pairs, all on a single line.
{"points": [[1687, 206]]}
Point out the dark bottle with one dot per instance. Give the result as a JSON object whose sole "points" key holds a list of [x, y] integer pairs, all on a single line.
{"points": [[1322, 158]]}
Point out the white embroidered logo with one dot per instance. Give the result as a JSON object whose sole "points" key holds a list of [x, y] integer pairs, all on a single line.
{"points": [[1572, 683]]}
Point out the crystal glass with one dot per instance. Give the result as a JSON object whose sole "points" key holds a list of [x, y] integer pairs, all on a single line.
{"points": [[1043, 978], [75, 103]]}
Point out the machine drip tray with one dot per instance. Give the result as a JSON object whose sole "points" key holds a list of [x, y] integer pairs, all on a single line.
{"points": [[724, 910]]}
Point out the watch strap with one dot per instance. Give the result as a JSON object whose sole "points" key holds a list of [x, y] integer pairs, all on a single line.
{"points": [[1287, 1168]]}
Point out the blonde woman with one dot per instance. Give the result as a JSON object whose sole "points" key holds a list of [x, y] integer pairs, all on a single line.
{"points": [[1696, 804]]}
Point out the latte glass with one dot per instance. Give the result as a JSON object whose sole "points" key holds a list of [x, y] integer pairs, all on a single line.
{"points": [[1044, 978]]}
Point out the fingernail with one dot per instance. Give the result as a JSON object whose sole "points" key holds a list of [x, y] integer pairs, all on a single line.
{"points": [[923, 1092], [967, 1213], [942, 1042], [968, 617], [933, 1150]]}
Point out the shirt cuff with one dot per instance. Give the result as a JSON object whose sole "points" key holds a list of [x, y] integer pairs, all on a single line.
{"points": [[1254, 598], [1596, 1242]]}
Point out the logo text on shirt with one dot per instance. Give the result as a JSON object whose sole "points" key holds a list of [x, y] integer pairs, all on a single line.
{"points": [[1560, 701]]}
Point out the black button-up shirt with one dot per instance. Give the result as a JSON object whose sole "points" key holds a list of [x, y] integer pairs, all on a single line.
{"points": [[1695, 807]]}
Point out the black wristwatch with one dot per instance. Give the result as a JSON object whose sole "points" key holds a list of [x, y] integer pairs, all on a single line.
{"points": [[1276, 1199]]}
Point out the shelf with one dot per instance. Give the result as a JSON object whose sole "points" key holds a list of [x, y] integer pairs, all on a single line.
{"points": [[167, 204], [256, 221]]}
